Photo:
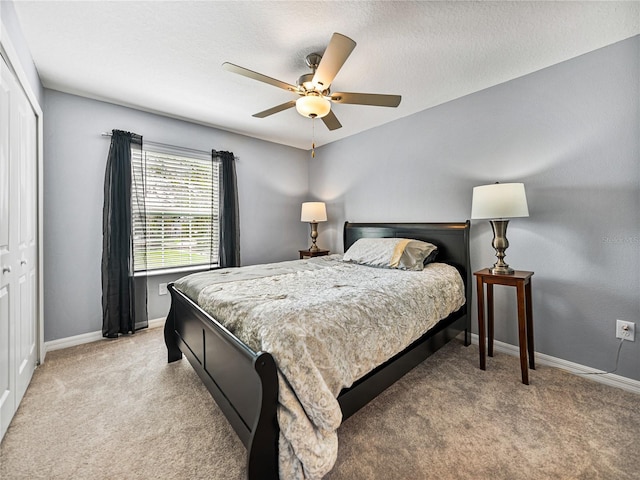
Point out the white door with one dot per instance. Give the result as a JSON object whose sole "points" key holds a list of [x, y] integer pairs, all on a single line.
{"points": [[7, 308], [18, 245]]}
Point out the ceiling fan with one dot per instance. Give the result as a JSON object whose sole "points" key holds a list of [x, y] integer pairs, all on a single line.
{"points": [[314, 88]]}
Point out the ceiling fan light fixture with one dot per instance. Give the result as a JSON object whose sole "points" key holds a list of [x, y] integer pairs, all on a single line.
{"points": [[313, 106], [314, 89]]}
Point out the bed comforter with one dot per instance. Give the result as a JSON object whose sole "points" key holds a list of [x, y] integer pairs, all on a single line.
{"points": [[326, 323]]}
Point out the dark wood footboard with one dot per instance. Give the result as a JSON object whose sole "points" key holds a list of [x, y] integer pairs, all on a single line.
{"points": [[244, 383]]}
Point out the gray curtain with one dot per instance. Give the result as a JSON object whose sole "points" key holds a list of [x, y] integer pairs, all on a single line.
{"points": [[124, 296], [229, 251]]}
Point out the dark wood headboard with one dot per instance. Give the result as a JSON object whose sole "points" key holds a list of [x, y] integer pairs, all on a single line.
{"points": [[452, 240]]}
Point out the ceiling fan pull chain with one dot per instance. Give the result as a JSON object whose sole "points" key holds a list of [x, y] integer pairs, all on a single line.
{"points": [[313, 137]]}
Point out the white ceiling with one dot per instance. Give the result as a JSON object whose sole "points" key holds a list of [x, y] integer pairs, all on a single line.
{"points": [[165, 56]]}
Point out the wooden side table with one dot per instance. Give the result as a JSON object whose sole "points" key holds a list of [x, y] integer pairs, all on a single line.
{"points": [[522, 281], [310, 254]]}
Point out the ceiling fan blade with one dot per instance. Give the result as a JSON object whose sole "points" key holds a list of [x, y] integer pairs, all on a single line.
{"points": [[258, 76], [276, 109], [331, 121], [375, 99], [337, 52]]}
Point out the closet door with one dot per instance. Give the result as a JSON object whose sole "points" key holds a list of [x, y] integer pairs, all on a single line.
{"points": [[7, 257], [18, 245], [23, 152]]}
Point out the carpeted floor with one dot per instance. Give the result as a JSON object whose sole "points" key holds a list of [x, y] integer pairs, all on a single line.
{"points": [[107, 410]]}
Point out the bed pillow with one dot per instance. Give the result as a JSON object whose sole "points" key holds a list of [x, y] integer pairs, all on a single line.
{"points": [[431, 257], [400, 253]]}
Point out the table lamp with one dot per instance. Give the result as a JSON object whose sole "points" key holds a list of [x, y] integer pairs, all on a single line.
{"points": [[313, 212], [499, 202]]}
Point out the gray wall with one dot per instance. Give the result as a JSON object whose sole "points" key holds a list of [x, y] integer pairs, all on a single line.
{"points": [[272, 183], [571, 134]]}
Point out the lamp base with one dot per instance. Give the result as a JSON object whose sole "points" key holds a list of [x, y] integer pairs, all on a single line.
{"points": [[314, 236], [500, 244], [501, 270]]}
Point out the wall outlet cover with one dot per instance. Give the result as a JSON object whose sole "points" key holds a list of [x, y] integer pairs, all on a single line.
{"points": [[162, 289], [625, 330]]}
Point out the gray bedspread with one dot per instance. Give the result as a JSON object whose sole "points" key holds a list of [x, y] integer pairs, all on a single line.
{"points": [[326, 323]]}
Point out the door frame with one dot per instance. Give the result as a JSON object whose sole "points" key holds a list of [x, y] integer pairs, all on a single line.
{"points": [[10, 55]]}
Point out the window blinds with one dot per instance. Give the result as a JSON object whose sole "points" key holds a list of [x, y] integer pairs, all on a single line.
{"points": [[179, 195]]}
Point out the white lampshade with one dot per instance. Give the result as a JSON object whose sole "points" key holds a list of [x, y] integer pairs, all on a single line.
{"points": [[313, 212], [314, 106], [499, 200]]}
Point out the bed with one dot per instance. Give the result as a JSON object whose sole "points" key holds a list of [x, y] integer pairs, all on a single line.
{"points": [[245, 383]]}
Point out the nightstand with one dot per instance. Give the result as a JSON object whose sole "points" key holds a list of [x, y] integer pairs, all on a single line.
{"points": [[317, 253], [522, 281]]}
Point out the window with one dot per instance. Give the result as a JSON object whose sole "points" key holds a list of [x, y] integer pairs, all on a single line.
{"points": [[175, 209]]}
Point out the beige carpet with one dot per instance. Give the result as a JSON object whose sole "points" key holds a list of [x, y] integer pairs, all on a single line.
{"points": [[117, 410]]}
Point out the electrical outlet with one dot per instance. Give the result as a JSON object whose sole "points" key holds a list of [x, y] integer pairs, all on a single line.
{"points": [[625, 330], [162, 289]]}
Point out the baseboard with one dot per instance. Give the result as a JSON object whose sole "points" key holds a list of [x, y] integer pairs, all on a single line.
{"points": [[606, 378], [88, 337]]}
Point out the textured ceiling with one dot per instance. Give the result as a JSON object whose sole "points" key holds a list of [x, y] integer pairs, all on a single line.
{"points": [[165, 56]]}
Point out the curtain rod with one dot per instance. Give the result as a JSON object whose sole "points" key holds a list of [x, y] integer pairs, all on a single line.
{"points": [[186, 149]]}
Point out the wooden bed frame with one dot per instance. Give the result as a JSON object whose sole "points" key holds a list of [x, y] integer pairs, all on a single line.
{"points": [[244, 383]]}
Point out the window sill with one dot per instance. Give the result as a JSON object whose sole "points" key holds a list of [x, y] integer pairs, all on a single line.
{"points": [[167, 271]]}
